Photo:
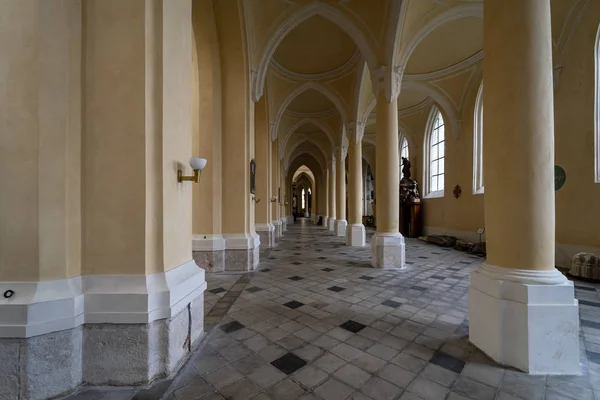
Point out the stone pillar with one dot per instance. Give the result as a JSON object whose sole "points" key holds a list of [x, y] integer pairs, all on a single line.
{"points": [[326, 195], [522, 311], [355, 232], [262, 203], [387, 245], [208, 244], [332, 197], [96, 230], [285, 200], [275, 191], [241, 240], [340, 222]]}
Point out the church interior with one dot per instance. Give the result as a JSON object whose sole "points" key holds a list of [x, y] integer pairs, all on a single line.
{"points": [[300, 199]]}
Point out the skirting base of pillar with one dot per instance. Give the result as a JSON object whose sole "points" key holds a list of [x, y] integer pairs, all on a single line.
{"points": [[283, 224], [52, 364], [267, 235], [278, 232], [325, 222], [356, 235], [331, 224], [340, 227], [208, 252], [525, 319], [387, 251]]}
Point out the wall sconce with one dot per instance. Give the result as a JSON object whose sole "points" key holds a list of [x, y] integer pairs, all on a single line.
{"points": [[197, 165], [274, 199], [254, 199]]}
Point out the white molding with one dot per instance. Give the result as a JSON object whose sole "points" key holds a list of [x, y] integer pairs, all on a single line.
{"points": [[38, 308], [478, 184], [447, 72], [335, 73], [597, 109], [525, 276], [265, 227], [241, 241], [317, 114], [207, 242]]}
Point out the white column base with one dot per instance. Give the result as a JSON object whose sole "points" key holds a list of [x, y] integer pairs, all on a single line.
{"points": [[266, 232], [325, 221], [525, 319], [331, 224], [340, 227], [387, 251], [278, 233], [356, 235], [283, 224]]}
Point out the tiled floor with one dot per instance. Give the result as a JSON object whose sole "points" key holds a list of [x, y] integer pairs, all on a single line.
{"points": [[316, 322]]}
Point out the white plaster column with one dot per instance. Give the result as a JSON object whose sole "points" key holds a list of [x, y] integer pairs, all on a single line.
{"points": [[262, 150], [285, 199], [340, 222], [332, 197], [387, 245], [326, 194], [275, 191], [522, 311], [355, 231]]}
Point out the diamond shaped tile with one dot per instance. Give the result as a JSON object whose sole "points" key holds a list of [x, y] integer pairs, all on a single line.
{"points": [[336, 289], [296, 278], [328, 269], [293, 304], [231, 327], [353, 326], [253, 289], [366, 278], [391, 303], [217, 290], [289, 363]]}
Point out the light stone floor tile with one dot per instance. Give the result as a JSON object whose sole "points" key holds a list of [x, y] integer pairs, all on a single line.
{"points": [[419, 350]]}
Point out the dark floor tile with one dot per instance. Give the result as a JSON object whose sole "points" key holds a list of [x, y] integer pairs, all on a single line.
{"points": [[353, 326], [289, 363], [217, 290], [391, 303], [589, 303], [231, 327], [465, 262], [366, 278], [419, 288], [336, 289], [439, 277], [293, 304], [328, 269], [453, 269], [296, 263], [590, 289], [322, 258], [408, 262], [253, 289], [265, 270], [423, 257], [590, 324], [296, 278], [446, 361]]}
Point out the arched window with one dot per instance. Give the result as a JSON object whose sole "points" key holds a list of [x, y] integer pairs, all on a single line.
{"points": [[435, 151], [597, 111], [403, 149], [303, 195], [478, 144]]}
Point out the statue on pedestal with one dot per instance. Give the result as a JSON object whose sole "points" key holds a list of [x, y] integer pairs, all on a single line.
{"points": [[408, 187]]}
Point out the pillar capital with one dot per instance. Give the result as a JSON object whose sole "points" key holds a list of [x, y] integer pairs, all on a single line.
{"points": [[355, 130], [388, 80]]}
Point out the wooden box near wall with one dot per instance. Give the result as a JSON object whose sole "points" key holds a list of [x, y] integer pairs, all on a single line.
{"points": [[411, 224]]}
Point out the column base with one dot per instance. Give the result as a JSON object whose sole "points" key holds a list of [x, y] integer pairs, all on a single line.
{"points": [[525, 319], [267, 235], [208, 252], [278, 233], [242, 251], [331, 224], [356, 235], [325, 221], [387, 251], [340, 227], [283, 224]]}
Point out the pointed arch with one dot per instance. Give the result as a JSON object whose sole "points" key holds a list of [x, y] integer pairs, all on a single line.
{"points": [[319, 124], [310, 10], [319, 87], [468, 10], [307, 139]]}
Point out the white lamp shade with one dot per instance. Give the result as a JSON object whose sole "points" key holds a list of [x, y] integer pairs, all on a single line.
{"points": [[198, 163]]}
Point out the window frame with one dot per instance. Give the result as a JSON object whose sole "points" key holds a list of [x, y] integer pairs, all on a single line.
{"points": [[597, 108], [428, 193], [478, 183]]}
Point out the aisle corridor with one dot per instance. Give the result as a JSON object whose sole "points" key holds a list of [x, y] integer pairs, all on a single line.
{"points": [[316, 322]]}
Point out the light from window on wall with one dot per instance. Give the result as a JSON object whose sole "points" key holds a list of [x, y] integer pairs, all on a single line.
{"points": [[303, 206]]}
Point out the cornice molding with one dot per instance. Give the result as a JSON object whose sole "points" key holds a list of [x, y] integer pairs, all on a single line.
{"points": [[448, 72], [318, 114], [337, 72]]}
